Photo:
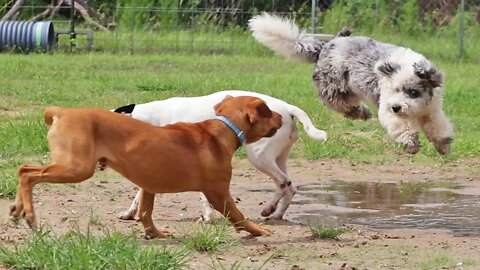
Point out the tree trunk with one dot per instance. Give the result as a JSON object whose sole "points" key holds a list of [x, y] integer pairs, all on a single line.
{"points": [[13, 12]]}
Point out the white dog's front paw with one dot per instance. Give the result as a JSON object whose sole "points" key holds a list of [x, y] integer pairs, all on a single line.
{"points": [[127, 215], [205, 219]]}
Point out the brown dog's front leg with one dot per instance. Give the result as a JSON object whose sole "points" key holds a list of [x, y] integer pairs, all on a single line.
{"points": [[145, 209], [224, 203]]}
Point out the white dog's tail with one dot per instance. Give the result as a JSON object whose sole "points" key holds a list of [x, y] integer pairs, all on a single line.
{"points": [[308, 126], [284, 37]]}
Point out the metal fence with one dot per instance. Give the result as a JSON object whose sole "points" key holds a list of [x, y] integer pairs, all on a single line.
{"points": [[220, 25]]}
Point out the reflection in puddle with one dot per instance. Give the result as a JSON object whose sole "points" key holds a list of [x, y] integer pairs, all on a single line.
{"points": [[389, 205]]}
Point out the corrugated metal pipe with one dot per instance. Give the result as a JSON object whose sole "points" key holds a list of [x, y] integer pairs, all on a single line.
{"points": [[27, 36]]}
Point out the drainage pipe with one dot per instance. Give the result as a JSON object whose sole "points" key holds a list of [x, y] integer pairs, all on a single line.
{"points": [[27, 36]]}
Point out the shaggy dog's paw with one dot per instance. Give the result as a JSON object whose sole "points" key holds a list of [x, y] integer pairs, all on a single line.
{"points": [[411, 148], [359, 113], [443, 145]]}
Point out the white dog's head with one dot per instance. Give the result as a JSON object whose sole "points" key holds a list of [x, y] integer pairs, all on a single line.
{"points": [[409, 84]]}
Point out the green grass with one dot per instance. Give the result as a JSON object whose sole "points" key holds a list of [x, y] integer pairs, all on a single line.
{"points": [[444, 260], [210, 237], [33, 82], [77, 250], [327, 232]]}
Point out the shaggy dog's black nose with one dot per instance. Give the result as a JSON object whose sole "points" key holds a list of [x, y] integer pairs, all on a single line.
{"points": [[396, 108]]}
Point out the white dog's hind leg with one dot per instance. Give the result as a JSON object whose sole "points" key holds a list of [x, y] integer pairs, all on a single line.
{"points": [[130, 214], [438, 129], [289, 190], [270, 168], [402, 130], [208, 212]]}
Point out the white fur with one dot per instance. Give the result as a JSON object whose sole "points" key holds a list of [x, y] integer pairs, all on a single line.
{"points": [[268, 155]]}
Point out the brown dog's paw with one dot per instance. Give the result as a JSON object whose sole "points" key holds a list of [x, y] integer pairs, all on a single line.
{"points": [[155, 233], [262, 231], [16, 210], [31, 221]]}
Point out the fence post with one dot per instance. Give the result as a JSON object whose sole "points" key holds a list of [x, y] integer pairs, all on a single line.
{"points": [[73, 35], [314, 16], [461, 32], [132, 36]]}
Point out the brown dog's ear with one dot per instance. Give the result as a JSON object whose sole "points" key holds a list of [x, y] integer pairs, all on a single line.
{"points": [[217, 107], [257, 109]]}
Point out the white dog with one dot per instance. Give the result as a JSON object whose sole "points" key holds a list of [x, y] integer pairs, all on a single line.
{"points": [[403, 84], [268, 155]]}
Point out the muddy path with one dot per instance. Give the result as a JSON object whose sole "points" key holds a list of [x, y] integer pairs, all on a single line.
{"points": [[400, 216]]}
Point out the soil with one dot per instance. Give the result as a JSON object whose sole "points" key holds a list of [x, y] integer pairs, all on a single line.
{"points": [[292, 245]]}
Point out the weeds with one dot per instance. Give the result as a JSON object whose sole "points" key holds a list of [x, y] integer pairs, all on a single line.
{"points": [[210, 237], [327, 232]]}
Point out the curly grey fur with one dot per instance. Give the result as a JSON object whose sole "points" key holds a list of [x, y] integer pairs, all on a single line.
{"points": [[345, 74], [403, 84]]}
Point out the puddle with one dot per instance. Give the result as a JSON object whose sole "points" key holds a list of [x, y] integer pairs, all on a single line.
{"points": [[390, 205]]}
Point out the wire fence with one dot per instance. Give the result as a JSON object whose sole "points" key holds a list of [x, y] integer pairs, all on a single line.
{"points": [[219, 26]]}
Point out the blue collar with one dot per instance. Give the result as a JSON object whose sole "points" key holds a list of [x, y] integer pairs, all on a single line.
{"points": [[240, 135]]}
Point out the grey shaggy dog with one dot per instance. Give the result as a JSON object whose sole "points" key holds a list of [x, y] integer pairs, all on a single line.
{"points": [[404, 85]]}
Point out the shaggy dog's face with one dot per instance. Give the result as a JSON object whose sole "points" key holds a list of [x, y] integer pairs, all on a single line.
{"points": [[408, 90]]}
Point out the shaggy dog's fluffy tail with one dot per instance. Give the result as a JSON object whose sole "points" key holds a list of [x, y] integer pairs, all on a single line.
{"points": [[283, 37]]}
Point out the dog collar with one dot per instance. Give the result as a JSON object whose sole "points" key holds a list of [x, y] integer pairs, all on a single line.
{"points": [[240, 135]]}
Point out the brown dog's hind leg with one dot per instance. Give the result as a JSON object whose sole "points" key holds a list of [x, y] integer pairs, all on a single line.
{"points": [[145, 209], [29, 176], [223, 202]]}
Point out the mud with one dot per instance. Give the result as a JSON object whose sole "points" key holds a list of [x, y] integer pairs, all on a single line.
{"points": [[402, 216]]}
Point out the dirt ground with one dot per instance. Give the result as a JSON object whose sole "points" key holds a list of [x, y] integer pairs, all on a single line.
{"points": [[291, 246]]}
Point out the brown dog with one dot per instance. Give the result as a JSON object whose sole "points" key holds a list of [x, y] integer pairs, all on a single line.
{"points": [[175, 158]]}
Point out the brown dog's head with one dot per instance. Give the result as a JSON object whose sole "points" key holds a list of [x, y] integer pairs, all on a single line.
{"points": [[251, 115]]}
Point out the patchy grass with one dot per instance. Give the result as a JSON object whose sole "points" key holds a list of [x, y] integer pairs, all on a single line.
{"points": [[210, 237], [77, 250], [327, 232], [444, 260]]}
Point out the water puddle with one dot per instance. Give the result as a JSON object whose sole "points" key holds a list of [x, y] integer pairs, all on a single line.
{"points": [[390, 205]]}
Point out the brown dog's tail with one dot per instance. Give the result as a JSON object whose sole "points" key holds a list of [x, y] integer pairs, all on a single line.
{"points": [[50, 113]]}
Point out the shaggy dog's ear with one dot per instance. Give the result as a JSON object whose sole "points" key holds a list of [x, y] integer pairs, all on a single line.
{"points": [[429, 73], [436, 79], [386, 68], [217, 107]]}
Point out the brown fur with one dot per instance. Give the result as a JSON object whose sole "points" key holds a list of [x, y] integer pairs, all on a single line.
{"points": [[175, 158]]}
